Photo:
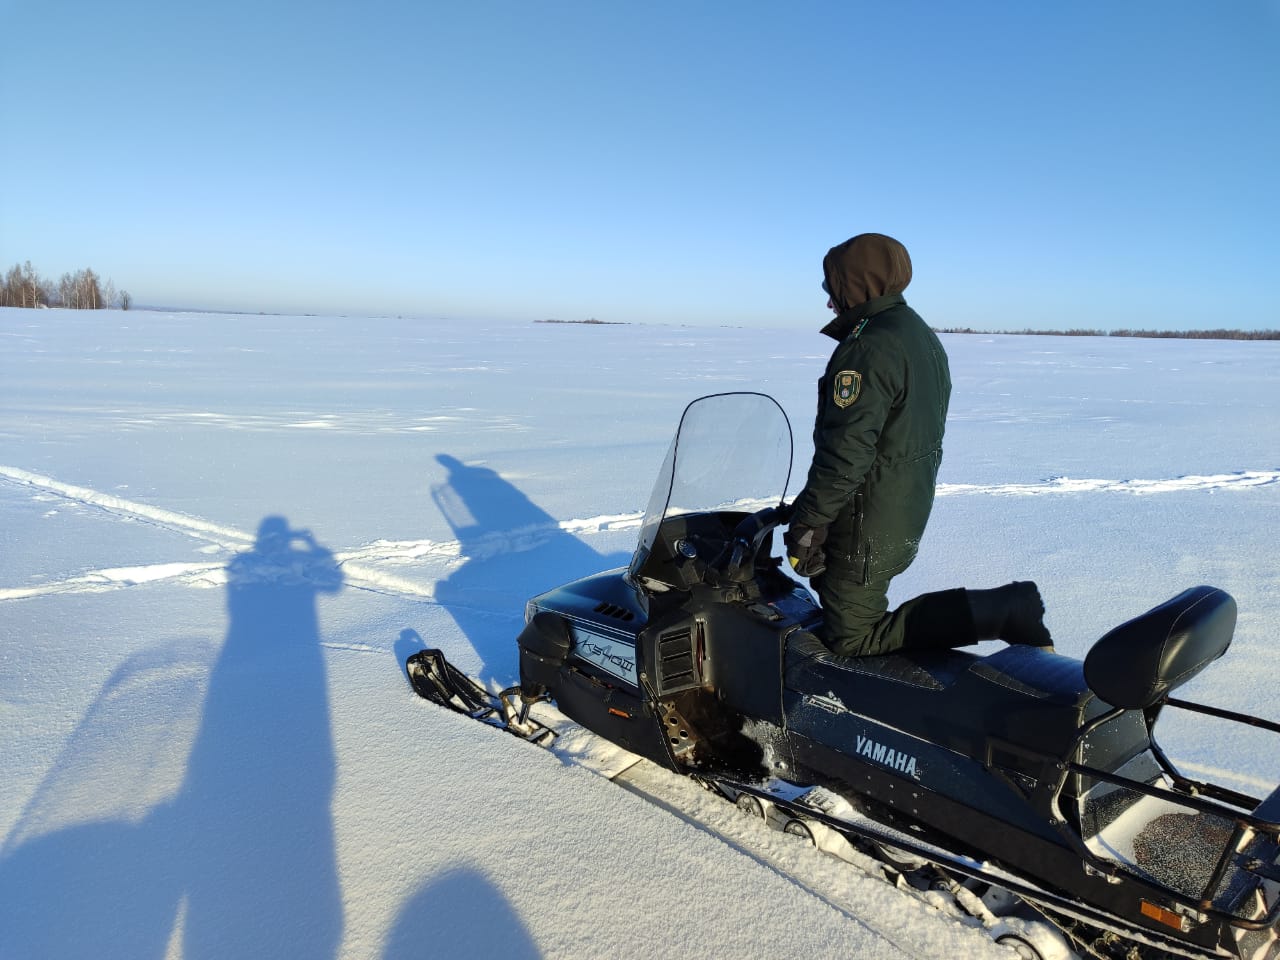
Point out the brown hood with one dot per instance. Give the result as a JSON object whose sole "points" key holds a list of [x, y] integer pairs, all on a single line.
{"points": [[867, 266]]}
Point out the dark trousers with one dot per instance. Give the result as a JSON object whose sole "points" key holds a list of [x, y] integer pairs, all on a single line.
{"points": [[859, 623]]}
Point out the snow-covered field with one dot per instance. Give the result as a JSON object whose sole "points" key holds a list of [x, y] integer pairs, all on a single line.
{"points": [[207, 745]]}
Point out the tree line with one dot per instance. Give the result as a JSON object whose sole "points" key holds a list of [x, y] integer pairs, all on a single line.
{"points": [[1157, 334], [23, 286]]}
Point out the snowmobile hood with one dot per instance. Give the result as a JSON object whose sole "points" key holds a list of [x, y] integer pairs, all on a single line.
{"points": [[864, 268]]}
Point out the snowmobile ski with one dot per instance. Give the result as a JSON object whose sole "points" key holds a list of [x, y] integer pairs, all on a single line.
{"points": [[434, 678]]}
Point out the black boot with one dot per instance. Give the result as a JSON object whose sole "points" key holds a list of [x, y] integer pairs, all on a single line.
{"points": [[1013, 613]]}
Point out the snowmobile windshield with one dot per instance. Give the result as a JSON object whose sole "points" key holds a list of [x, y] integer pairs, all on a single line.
{"points": [[731, 455]]}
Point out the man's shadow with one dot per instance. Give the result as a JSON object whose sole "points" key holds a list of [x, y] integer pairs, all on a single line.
{"points": [[257, 801], [238, 859], [512, 550]]}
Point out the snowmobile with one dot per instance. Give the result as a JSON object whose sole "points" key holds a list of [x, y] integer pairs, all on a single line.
{"points": [[1025, 782]]}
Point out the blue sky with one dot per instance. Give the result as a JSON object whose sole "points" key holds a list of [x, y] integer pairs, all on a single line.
{"points": [[1087, 164]]}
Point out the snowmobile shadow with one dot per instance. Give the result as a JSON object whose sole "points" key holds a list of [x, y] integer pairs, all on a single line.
{"points": [[512, 550], [453, 915], [228, 854]]}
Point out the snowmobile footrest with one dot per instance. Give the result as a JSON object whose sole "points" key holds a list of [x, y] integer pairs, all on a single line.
{"points": [[517, 719]]}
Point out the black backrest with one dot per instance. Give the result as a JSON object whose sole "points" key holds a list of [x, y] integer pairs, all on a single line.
{"points": [[1140, 662]]}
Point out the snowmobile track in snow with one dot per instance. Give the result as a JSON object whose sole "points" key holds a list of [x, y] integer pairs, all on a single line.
{"points": [[750, 838], [364, 565]]}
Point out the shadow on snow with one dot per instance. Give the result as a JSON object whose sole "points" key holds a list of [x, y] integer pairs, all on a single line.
{"points": [[440, 920], [512, 550], [236, 856]]}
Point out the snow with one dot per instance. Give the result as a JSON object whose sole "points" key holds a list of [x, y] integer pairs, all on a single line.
{"points": [[207, 744]]}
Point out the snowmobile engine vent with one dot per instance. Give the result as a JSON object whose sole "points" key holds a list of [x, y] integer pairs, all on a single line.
{"points": [[615, 611], [676, 669]]}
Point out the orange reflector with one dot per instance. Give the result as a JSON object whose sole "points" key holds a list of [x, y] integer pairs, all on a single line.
{"points": [[1167, 917], [620, 713]]}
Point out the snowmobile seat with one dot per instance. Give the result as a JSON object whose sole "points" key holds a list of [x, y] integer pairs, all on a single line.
{"points": [[1033, 673], [1141, 662], [1018, 702], [1032, 699], [1019, 694], [955, 698], [808, 660], [1047, 698]]}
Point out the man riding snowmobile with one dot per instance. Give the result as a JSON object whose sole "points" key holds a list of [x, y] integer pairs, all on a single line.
{"points": [[882, 410], [1028, 788]]}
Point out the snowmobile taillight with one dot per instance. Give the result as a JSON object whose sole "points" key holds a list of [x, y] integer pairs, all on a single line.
{"points": [[1167, 917], [614, 711]]}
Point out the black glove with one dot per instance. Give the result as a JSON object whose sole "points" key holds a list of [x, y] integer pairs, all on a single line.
{"points": [[804, 549]]}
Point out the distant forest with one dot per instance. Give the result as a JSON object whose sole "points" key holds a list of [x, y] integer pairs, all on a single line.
{"points": [[1158, 334], [23, 286]]}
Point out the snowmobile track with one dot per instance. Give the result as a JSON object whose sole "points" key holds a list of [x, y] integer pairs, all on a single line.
{"points": [[659, 787], [363, 565]]}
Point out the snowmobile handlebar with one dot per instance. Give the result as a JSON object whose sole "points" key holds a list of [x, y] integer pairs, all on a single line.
{"points": [[737, 563]]}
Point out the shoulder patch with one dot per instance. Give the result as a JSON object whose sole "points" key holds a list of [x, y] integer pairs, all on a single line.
{"points": [[848, 386]]}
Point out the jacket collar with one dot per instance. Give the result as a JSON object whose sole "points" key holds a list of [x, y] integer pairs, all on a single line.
{"points": [[849, 321]]}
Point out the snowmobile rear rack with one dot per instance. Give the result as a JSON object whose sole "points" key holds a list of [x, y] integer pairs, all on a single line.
{"points": [[1252, 822]]}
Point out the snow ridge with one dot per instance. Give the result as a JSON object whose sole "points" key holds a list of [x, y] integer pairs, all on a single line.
{"points": [[360, 565], [364, 566], [203, 574], [1244, 479], [98, 581], [227, 537]]}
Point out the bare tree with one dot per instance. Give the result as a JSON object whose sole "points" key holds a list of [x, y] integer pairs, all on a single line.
{"points": [[30, 289], [126, 300], [22, 286], [9, 289], [92, 291], [86, 294]]}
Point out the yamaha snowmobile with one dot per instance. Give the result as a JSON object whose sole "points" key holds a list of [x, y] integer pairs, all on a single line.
{"points": [[1025, 782]]}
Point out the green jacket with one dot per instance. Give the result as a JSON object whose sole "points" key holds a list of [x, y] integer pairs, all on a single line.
{"points": [[882, 408]]}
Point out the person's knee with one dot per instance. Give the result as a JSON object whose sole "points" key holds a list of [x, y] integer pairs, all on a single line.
{"points": [[850, 646], [853, 614]]}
